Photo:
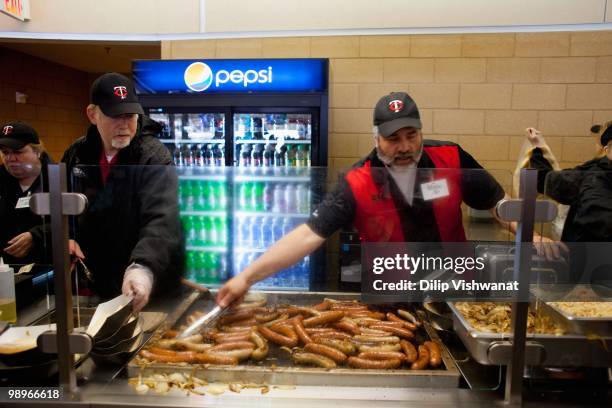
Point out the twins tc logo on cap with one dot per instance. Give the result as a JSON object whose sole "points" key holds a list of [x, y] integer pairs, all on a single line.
{"points": [[7, 130], [120, 91], [396, 105]]}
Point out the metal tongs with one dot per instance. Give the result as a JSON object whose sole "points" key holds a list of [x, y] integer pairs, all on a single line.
{"points": [[205, 321]]}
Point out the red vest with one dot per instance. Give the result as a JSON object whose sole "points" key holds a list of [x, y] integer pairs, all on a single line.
{"points": [[376, 217]]}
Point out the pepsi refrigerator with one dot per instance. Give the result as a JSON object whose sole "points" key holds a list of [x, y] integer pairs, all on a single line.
{"points": [[249, 139]]}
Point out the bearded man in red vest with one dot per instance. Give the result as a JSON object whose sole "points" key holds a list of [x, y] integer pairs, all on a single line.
{"points": [[406, 190]]}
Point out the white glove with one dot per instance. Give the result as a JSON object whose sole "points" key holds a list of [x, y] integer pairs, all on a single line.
{"points": [[138, 282]]}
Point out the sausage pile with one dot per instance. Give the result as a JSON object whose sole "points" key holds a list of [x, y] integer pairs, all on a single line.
{"points": [[330, 334]]}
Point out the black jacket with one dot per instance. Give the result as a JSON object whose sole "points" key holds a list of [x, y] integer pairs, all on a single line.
{"points": [[587, 189], [15, 221], [133, 217]]}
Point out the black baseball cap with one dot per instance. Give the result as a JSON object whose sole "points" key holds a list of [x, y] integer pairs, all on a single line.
{"points": [[15, 135], [606, 136], [115, 95], [395, 111]]}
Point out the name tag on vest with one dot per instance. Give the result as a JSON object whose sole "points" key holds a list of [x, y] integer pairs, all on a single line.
{"points": [[23, 202], [434, 189]]}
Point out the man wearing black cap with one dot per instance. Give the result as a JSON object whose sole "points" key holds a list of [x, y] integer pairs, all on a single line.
{"points": [[130, 234], [586, 188], [23, 174], [384, 197]]}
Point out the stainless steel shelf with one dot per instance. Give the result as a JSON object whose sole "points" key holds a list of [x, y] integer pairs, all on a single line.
{"points": [[270, 214], [207, 249], [273, 141], [205, 213], [193, 141]]}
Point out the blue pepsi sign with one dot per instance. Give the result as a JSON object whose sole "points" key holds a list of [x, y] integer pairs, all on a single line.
{"points": [[234, 76]]}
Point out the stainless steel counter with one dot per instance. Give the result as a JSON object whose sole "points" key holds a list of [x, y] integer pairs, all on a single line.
{"points": [[108, 386]]}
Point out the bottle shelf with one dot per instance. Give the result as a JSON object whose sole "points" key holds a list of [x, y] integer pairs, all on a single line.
{"points": [[273, 141], [217, 249], [189, 174], [193, 141], [215, 213], [283, 179], [246, 214]]}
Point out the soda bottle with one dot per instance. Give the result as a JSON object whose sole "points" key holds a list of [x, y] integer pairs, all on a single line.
{"points": [[268, 197], [257, 156], [277, 229], [290, 198], [305, 272], [238, 155], [199, 197], [245, 156], [256, 233], [258, 196], [198, 158], [240, 128], [213, 267], [201, 233], [178, 127], [307, 155], [207, 155], [210, 232], [279, 157], [221, 156], [257, 128], [190, 233], [303, 205], [290, 156], [301, 129], [178, 156], [217, 156], [266, 232], [287, 225], [187, 156], [244, 233], [279, 204], [190, 265], [219, 127], [300, 158], [210, 199], [248, 134], [268, 155], [189, 195], [223, 270], [220, 195], [202, 267], [221, 231], [181, 195]]}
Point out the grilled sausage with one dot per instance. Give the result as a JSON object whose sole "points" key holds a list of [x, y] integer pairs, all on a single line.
{"points": [[327, 351], [392, 317], [423, 359], [398, 331], [381, 347], [301, 332], [301, 357], [374, 364], [323, 318], [381, 355], [284, 337], [410, 351], [435, 356], [261, 351], [344, 346]]}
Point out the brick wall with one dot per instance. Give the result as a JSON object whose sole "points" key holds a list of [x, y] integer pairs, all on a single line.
{"points": [[480, 90], [57, 97]]}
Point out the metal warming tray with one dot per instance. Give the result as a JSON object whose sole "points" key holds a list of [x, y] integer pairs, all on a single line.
{"points": [[567, 350], [279, 370]]}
